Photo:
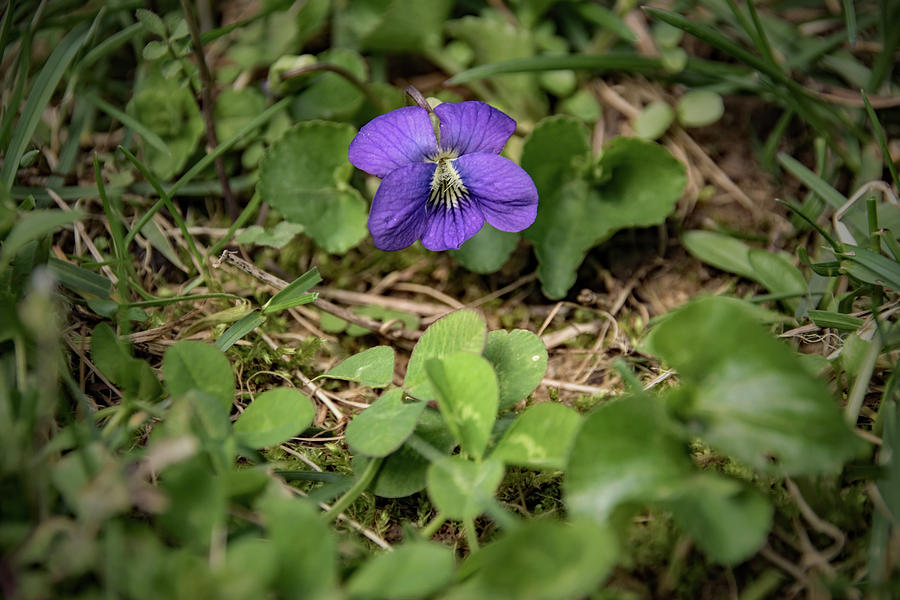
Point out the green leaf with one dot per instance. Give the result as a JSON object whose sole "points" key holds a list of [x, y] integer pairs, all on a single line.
{"points": [[462, 489], [460, 331], [274, 417], [654, 120], [487, 251], [383, 427], [41, 91], [169, 111], [278, 237], [32, 226], [777, 274], [302, 176], [640, 184], [235, 109], [540, 438], [130, 122], [870, 267], [747, 394], [721, 251], [373, 367], [519, 358], [151, 22], [699, 107], [329, 95], [597, 63], [403, 472], [305, 545], [239, 329], [395, 25], [727, 519], [543, 559], [79, 279], [624, 453], [466, 389], [136, 378], [154, 50], [815, 183], [835, 320], [415, 569], [294, 294], [196, 503], [191, 365]]}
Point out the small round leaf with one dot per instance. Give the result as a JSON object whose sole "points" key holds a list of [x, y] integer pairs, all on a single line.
{"points": [[274, 417]]}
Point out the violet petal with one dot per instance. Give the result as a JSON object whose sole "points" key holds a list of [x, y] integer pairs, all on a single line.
{"points": [[447, 228], [396, 139], [473, 126], [397, 217], [504, 191]]}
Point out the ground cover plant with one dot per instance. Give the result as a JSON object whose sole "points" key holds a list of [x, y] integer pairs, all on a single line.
{"points": [[449, 299]]}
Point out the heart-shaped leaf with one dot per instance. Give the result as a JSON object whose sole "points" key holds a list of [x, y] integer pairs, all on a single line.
{"points": [[191, 365], [462, 489], [373, 367], [383, 427], [541, 437], [463, 330], [519, 358], [466, 389], [415, 569], [274, 417]]}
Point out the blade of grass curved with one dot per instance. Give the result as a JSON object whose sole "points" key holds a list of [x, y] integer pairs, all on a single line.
{"points": [[131, 123], [244, 326], [882, 140], [109, 44], [850, 19], [812, 181], [46, 82]]}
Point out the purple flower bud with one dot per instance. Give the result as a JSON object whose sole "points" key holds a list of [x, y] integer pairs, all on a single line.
{"points": [[443, 191]]}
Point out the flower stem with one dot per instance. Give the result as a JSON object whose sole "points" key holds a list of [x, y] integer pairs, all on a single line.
{"points": [[431, 528]]}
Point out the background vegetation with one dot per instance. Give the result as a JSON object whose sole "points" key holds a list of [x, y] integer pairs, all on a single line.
{"points": [[679, 382]]}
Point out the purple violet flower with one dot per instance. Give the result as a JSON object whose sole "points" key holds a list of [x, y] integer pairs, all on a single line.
{"points": [[442, 190]]}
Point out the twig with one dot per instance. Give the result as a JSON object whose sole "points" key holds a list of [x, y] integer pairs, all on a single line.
{"points": [[206, 107], [346, 74]]}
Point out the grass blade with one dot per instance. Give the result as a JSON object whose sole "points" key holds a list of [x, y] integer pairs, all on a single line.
{"points": [[131, 123], [850, 19], [45, 84], [244, 326], [882, 140], [293, 293], [833, 197]]}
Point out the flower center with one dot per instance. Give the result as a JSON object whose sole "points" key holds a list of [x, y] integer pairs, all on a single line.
{"points": [[447, 188]]}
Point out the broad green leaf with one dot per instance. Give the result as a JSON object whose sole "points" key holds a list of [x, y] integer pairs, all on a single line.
{"points": [[463, 330], [403, 472], [624, 453], [540, 438], [654, 120], [487, 251], [191, 365], [305, 546], [33, 225], [303, 176], [416, 569], [151, 22], [295, 291], [395, 25], [543, 559], [373, 367], [721, 251], [169, 111], [777, 274], [383, 427], [161, 243], [699, 107], [639, 185], [196, 503], [558, 148], [519, 359], [329, 95], [727, 519], [235, 109], [136, 377], [278, 237], [466, 389], [274, 417], [493, 39], [462, 489], [748, 395]]}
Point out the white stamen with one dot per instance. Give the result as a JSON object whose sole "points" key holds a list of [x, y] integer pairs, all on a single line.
{"points": [[447, 188]]}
